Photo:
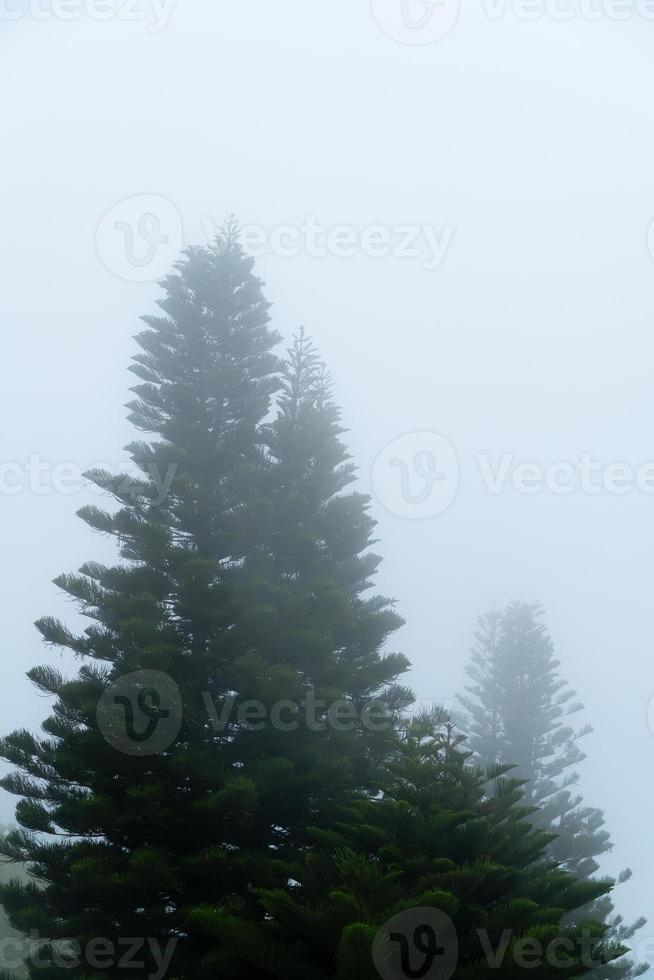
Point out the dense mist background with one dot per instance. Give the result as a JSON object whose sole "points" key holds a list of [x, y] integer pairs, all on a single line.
{"points": [[532, 141]]}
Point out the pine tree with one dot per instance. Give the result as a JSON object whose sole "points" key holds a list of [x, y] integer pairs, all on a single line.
{"points": [[12, 943], [303, 584], [319, 552], [435, 839], [519, 710], [157, 796]]}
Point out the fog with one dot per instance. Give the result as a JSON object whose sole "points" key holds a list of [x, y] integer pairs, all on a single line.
{"points": [[513, 159]]}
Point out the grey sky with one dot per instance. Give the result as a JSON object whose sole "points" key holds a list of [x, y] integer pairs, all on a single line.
{"points": [[525, 147]]}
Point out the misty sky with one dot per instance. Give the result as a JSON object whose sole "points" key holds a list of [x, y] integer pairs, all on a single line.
{"points": [[519, 154]]}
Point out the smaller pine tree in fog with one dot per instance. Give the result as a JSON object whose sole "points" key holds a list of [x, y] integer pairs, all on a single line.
{"points": [[519, 711], [435, 838]]}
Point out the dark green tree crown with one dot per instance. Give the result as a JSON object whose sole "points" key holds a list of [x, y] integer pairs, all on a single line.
{"points": [[241, 580]]}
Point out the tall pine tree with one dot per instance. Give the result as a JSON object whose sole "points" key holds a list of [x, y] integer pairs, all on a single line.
{"points": [[164, 787]]}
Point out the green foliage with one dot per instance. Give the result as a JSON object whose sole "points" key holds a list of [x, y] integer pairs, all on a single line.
{"points": [[252, 842], [519, 713], [434, 839], [12, 876], [243, 567]]}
